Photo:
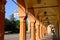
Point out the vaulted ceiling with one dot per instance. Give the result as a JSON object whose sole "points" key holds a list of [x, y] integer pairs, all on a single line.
{"points": [[47, 10]]}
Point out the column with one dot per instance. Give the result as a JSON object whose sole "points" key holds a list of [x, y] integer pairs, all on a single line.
{"points": [[44, 31], [23, 15], [32, 23], [32, 31], [22, 28], [2, 18], [40, 30], [1, 26], [37, 30]]}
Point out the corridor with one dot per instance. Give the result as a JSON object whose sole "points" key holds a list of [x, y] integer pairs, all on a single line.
{"points": [[43, 17]]}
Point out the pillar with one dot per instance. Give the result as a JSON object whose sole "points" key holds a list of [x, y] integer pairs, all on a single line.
{"points": [[22, 28], [40, 30], [43, 30], [37, 30], [32, 23], [32, 26], [2, 18], [32, 31], [1, 26], [23, 15]]}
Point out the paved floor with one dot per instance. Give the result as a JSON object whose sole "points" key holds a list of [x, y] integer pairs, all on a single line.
{"points": [[14, 37], [11, 37]]}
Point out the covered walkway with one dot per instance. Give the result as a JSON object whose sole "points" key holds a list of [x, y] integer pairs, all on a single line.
{"points": [[43, 17]]}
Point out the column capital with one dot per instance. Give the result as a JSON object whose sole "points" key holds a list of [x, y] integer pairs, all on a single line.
{"points": [[22, 18], [37, 22], [31, 18], [32, 24]]}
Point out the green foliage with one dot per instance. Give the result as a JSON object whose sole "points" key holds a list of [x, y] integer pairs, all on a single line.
{"points": [[11, 24], [7, 24], [17, 23]]}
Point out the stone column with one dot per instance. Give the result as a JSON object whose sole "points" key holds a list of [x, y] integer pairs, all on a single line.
{"points": [[32, 31], [22, 14], [2, 26], [22, 28], [43, 30], [2, 18], [40, 30], [32, 24], [37, 30]]}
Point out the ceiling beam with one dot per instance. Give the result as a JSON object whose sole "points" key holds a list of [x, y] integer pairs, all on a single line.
{"points": [[43, 7], [47, 15]]}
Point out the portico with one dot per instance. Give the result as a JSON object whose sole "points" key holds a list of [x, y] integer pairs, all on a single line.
{"points": [[42, 14]]}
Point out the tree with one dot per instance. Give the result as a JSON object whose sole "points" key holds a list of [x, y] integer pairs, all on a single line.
{"points": [[13, 23], [17, 23], [7, 24], [10, 24], [12, 17]]}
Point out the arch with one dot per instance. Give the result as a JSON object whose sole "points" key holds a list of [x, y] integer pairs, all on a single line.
{"points": [[23, 17]]}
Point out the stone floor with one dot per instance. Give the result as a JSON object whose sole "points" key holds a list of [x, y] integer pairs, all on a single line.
{"points": [[16, 37], [11, 37]]}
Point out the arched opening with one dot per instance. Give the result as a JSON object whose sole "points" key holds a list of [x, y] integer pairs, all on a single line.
{"points": [[12, 21]]}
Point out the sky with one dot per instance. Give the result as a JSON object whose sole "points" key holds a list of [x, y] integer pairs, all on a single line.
{"points": [[10, 8]]}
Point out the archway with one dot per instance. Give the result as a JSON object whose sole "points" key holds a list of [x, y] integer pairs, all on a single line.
{"points": [[23, 18]]}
